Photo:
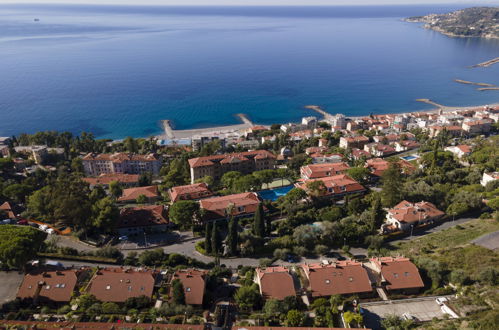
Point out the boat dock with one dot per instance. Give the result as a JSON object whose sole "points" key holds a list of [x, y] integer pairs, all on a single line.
{"points": [[319, 110], [173, 134], [486, 63]]}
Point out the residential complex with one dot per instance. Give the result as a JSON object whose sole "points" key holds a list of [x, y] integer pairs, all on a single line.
{"points": [[407, 215], [121, 163]]}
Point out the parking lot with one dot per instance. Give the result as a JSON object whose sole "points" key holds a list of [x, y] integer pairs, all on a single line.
{"points": [[423, 309], [10, 283]]}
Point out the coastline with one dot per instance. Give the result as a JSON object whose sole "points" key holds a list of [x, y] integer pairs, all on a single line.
{"points": [[190, 133]]}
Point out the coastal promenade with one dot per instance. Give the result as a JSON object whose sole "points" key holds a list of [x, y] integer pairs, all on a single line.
{"points": [[172, 134]]}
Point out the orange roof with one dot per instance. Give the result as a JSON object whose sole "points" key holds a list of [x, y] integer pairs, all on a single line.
{"points": [[56, 286], [194, 282], [276, 282], [243, 203], [408, 212], [464, 148], [132, 194], [227, 158], [314, 171], [119, 284], [342, 277], [8, 209], [337, 185], [142, 216], [191, 191], [106, 179], [399, 273]]}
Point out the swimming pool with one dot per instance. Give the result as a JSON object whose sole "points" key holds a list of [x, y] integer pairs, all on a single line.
{"points": [[410, 157], [274, 194]]}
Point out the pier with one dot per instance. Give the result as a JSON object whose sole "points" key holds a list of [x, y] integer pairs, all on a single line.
{"points": [[173, 134], [318, 109], [473, 83], [486, 63]]}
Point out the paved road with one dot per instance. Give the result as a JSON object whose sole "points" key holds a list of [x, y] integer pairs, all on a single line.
{"points": [[188, 249], [9, 283]]}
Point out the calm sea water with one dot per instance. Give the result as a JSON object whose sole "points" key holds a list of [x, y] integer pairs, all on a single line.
{"points": [[117, 71]]}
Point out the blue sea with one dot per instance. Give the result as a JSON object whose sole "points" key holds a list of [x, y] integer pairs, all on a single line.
{"points": [[117, 71]]}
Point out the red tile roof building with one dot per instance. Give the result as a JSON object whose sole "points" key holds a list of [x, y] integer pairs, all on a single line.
{"points": [[119, 284], [244, 162], [353, 142], [245, 204], [131, 194], [398, 274], [275, 282], [142, 218], [194, 283], [342, 277], [126, 180], [190, 192], [49, 286], [97, 164], [8, 210], [337, 186], [406, 214], [379, 149], [315, 171]]}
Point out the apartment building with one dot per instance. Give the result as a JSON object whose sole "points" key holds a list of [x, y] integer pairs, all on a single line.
{"points": [[127, 163], [244, 162]]}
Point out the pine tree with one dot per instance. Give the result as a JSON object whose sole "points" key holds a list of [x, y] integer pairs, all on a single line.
{"points": [[207, 237], [215, 240], [232, 237], [259, 222]]}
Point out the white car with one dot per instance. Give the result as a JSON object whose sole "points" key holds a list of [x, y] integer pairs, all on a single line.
{"points": [[49, 231], [441, 300], [43, 227]]}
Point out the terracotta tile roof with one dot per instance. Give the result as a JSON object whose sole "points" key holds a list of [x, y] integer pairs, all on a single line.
{"points": [[377, 166], [56, 286], [131, 194], [119, 284], [225, 158], [399, 273], [276, 282], [314, 171], [189, 192], [409, 212], [464, 148], [337, 185], [244, 203], [358, 153], [194, 283], [106, 179], [342, 277], [142, 216], [8, 209], [120, 157]]}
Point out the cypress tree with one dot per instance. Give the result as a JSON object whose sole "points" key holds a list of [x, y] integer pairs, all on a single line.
{"points": [[259, 222], [178, 292], [232, 236], [207, 237], [215, 240], [268, 225]]}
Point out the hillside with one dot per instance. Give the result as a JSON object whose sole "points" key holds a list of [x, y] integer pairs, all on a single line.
{"points": [[471, 22]]}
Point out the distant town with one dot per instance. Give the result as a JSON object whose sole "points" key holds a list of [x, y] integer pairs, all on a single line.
{"points": [[383, 222]]}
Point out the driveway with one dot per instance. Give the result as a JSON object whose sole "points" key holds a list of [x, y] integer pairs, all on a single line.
{"points": [[9, 283]]}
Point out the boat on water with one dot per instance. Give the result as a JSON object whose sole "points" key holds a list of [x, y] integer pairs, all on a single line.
{"points": [[37, 20]]}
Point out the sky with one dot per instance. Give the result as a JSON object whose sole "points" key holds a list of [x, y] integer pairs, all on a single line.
{"points": [[259, 2]]}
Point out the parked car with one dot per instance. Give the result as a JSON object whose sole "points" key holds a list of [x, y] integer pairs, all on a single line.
{"points": [[123, 238], [50, 231]]}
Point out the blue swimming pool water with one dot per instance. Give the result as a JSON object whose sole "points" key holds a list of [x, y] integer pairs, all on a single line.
{"points": [[274, 194], [409, 158]]}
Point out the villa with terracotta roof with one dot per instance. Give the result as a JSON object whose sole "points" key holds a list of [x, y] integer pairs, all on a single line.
{"points": [[489, 177], [150, 218], [398, 275], [7, 208], [342, 277], [244, 162], [49, 287], [460, 151], [353, 142], [245, 204], [275, 282], [194, 191], [337, 186], [315, 171], [120, 162], [118, 284], [477, 126], [125, 180], [406, 214], [194, 283], [130, 195], [379, 149]]}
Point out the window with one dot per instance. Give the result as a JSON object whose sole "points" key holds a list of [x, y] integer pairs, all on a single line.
{"points": [[395, 275], [188, 289], [328, 281], [129, 288], [406, 273], [108, 287]]}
